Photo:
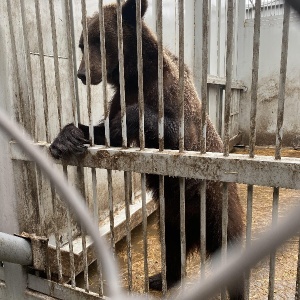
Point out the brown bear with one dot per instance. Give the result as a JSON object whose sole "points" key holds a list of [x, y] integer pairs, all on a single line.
{"points": [[71, 139]]}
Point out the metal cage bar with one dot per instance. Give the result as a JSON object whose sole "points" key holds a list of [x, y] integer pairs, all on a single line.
{"points": [[228, 92], [159, 29], [273, 253], [254, 85], [181, 74], [282, 80], [121, 72]]}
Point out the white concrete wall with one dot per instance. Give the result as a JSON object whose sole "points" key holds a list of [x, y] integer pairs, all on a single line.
{"points": [[269, 69]]}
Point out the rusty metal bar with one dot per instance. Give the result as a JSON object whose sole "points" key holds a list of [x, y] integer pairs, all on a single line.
{"points": [[56, 62], [128, 232], [224, 229], [70, 241], [111, 210], [87, 68], [181, 74], [74, 45], [159, 30], [145, 242], [72, 262], [182, 228], [254, 84], [228, 92], [205, 29], [273, 253], [104, 72], [18, 105], [42, 67], [140, 73], [282, 79], [56, 233], [121, 72], [96, 218], [203, 226], [91, 130], [248, 234], [28, 73], [265, 171], [71, 60], [59, 110], [162, 233]]}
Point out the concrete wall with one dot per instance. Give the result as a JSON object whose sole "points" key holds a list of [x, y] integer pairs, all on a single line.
{"points": [[269, 69]]}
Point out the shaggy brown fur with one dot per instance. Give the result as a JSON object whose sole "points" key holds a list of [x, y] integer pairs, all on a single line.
{"points": [[71, 139]]}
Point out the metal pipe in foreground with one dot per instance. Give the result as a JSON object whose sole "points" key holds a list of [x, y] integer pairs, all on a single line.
{"points": [[15, 249]]}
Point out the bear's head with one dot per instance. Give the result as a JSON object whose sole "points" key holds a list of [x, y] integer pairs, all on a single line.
{"points": [[111, 42]]}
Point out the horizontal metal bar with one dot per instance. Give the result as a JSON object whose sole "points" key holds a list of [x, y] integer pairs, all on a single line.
{"points": [[48, 55], [59, 291], [235, 84], [15, 249], [261, 170]]}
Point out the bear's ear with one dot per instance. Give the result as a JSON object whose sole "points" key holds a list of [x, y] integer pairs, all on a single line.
{"points": [[129, 10]]}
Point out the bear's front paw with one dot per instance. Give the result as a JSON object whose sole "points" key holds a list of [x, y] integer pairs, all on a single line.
{"points": [[69, 141]]}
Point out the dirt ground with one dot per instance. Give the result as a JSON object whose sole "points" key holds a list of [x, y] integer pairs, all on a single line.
{"points": [[286, 258]]}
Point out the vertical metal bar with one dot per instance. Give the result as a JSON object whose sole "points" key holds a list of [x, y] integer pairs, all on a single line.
{"points": [[145, 243], [254, 85], [106, 121], [111, 210], [181, 74], [205, 29], [42, 67], [56, 233], [219, 16], [121, 72], [91, 130], [124, 128], [228, 92], [224, 228], [87, 67], [159, 31], [28, 73], [282, 80], [72, 262], [142, 135], [182, 228], [96, 218], [297, 294], [203, 226], [273, 254], [71, 58], [160, 75], [56, 62], [128, 232], [140, 73], [162, 233], [73, 45], [248, 234], [18, 105], [104, 72]]}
